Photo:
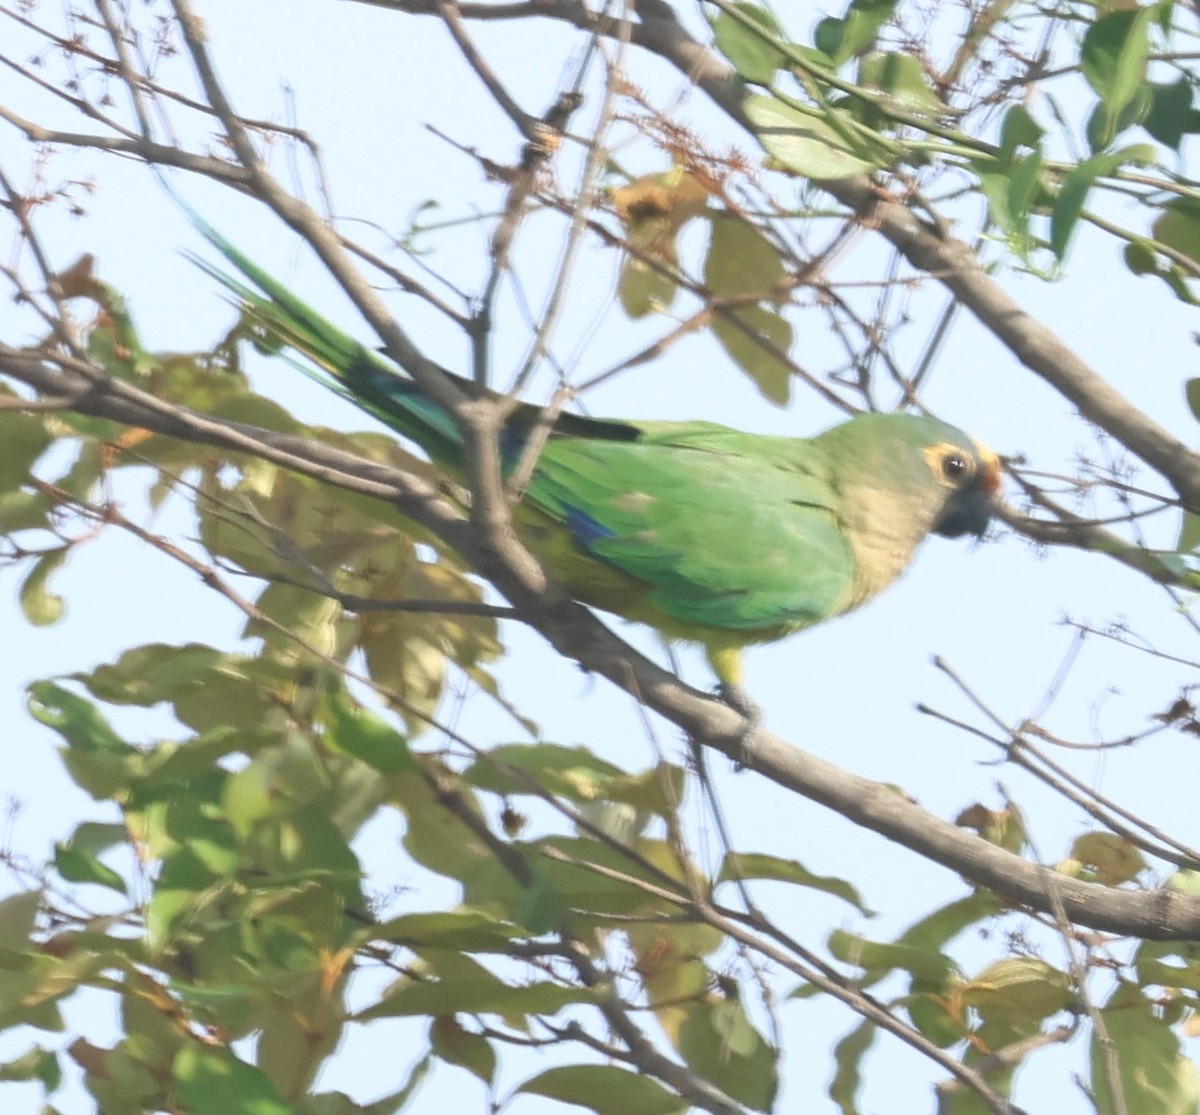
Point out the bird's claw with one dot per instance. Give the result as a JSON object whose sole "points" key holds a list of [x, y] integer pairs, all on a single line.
{"points": [[735, 697]]}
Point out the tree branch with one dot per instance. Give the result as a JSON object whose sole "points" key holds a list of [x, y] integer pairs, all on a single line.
{"points": [[573, 631], [950, 261]]}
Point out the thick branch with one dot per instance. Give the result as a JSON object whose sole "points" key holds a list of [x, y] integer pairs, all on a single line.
{"points": [[928, 248], [575, 632]]}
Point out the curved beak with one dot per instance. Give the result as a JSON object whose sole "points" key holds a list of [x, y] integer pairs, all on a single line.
{"points": [[970, 509]]}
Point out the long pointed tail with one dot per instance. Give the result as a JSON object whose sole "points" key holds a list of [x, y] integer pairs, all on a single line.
{"points": [[352, 370]]}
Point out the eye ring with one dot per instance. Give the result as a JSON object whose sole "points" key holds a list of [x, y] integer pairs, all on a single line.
{"points": [[956, 467]]}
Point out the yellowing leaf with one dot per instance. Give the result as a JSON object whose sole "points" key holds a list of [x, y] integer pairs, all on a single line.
{"points": [[18, 914], [1018, 989], [653, 209], [771, 375], [1002, 827], [1112, 859], [741, 260], [41, 606]]}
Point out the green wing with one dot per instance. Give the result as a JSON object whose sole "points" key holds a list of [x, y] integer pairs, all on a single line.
{"points": [[728, 530], [692, 522]]}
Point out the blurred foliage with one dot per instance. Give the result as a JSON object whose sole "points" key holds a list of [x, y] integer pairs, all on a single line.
{"points": [[227, 911], [217, 897]]}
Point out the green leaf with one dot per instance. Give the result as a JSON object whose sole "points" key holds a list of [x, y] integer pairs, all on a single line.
{"points": [[848, 1055], [1142, 258], [1189, 533], [1103, 125], [718, 1042], [827, 36], [658, 790], [75, 719], [1019, 129], [1192, 393], [878, 958], [212, 1081], [1115, 50], [753, 55], [573, 772], [149, 1036], [25, 439], [644, 289], [806, 143], [855, 33], [741, 262], [1153, 971], [605, 1089], [994, 184], [1164, 13], [988, 1038], [1073, 194], [1013, 190], [1178, 226], [1171, 117], [77, 860], [97, 759], [466, 930], [759, 866], [156, 672], [1152, 1072], [928, 1009], [902, 79], [357, 731], [1024, 182], [18, 915], [1185, 881], [38, 1064], [23, 510], [940, 927], [457, 1046], [479, 994], [41, 606]]}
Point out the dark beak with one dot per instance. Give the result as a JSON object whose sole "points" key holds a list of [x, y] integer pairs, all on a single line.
{"points": [[969, 512]]}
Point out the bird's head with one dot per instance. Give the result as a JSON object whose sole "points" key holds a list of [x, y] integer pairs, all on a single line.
{"points": [[971, 472]]}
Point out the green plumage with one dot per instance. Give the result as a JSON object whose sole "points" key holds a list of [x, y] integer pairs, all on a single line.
{"points": [[706, 533]]}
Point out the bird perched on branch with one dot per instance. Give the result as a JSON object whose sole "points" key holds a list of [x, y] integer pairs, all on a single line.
{"points": [[705, 533]]}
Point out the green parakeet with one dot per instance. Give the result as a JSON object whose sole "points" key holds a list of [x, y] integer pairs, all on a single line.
{"points": [[706, 533]]}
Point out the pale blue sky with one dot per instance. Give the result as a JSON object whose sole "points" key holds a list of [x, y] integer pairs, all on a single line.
{"points": [[365, 85]]}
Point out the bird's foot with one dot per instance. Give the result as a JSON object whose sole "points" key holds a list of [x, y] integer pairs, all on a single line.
{"points": [[735, 697]]}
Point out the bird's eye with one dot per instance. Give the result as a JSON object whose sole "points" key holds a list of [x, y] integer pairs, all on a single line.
{"points": [[955, 466]]}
